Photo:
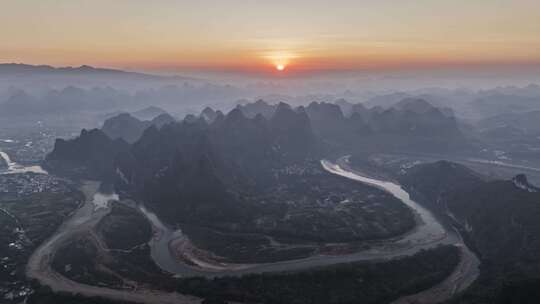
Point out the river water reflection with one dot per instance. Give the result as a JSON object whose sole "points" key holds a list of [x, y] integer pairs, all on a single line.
{"points": [[429, 233], [13, 167]]}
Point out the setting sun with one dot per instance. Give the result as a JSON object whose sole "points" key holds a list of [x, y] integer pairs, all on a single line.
{"points": [[280, 60]]}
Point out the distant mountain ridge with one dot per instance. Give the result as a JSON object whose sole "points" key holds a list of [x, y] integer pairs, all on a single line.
{"points": [[258, 107], [129, 128], [527, 122], [27, 68], [148, 113], [194, 160], [165, 161], [72, 100], [21, 69], [409, 124], [65, 101]]}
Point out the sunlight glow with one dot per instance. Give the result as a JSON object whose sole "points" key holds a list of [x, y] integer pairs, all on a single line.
{"points": [[244, 35], [280, 60]]}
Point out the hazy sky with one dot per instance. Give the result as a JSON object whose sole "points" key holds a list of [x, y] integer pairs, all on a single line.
{"points": [[257, 35]]}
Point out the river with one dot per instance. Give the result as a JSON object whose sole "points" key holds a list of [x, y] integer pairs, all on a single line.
{"points": [[13, 167], [429, 233], [83, 220]]}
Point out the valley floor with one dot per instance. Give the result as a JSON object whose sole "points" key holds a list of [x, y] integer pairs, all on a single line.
{"points": [[88, 216]]}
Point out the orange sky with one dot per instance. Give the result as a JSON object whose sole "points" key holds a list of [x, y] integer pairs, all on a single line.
{"points": [[258, 35]]}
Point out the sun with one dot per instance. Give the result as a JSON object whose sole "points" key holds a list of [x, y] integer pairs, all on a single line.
{"points": [[279, 60]]}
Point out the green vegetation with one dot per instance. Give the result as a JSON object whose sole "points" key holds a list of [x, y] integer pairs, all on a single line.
{"points": [[11, 242], [44, 295], [246, 248], [346, 283], [504, 229], [40, 214], [124, 253], [29, 215], [80, 259], [498, 219], [310, 207], [124, 228], [315, 205]]}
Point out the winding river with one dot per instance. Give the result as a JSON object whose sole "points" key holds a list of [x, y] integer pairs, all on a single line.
{"points": [[429, 233], [83, 220]]}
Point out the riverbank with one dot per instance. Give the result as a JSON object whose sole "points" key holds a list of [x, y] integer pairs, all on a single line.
{"points": [[428, 234], [13, 167], [82, 221], [466, 272]]}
